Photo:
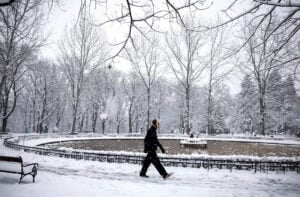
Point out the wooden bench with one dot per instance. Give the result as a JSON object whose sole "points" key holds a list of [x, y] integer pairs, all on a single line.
{"points": [[5, 135], [23, 170]]}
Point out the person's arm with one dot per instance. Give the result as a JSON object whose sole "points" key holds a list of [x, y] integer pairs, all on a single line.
{"points": [[161, 148], [157, 143]]}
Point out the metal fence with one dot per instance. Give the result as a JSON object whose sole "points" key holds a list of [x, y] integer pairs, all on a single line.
{"points": [[262, 165]]}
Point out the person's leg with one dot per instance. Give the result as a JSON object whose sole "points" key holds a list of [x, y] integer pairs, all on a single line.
{"points": [[146, 164], [156, 162]]}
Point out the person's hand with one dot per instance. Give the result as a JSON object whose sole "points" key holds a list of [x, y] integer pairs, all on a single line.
{"points": [[162, 150]]}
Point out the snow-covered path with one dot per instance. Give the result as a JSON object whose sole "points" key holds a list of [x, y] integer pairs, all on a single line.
{"points": [[60, 177]]}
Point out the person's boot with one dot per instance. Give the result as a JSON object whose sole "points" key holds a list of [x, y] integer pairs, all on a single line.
{"points": [[167, 175], [144, 175]]}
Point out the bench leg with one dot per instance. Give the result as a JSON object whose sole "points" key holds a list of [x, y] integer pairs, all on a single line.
{"points": [[34, 173], [22, 176]]}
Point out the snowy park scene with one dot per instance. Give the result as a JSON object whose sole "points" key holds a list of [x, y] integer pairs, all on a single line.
{"points": [[149, 98]]}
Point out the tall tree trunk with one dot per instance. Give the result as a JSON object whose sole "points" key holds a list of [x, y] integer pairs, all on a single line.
{"points": [[94, 121], [26, 118], [34, 110], [40, 123], [209, 112], [81, 123], [187, 112], [136, 126], [148, 109], [58, 118], [118, 124], [74, 118], [30, 119], [4, 112], [130, 119], [87, 121], [103, 126], [4, 123], [5, 105], [262, 114], [262, 92]]}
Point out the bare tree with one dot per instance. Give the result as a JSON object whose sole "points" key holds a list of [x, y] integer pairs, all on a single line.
{"points": [[218, 67], [141, 15], [260, 60], [60, 103], [100, 91], [187, 65], [82, 51], [145, 60], [20, 37], [136, 15], [50, 3], [42, 76], [260, 12], [120, 102], [130, 86]]}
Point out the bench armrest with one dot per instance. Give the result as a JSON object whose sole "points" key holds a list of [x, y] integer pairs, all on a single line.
{"points": [[26, 171], [31, 164]]}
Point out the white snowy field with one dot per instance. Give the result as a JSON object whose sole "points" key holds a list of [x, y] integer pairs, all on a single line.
{"points": [[60, 177]]}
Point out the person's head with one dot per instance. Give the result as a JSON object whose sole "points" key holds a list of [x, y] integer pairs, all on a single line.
{"points": [[156, 123]]}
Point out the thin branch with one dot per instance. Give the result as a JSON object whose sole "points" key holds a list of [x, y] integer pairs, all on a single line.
{"points": [[7, 3], [285, 4]]}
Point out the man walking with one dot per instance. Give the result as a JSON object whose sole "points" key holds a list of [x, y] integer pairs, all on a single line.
{"points": [[151, 143]]}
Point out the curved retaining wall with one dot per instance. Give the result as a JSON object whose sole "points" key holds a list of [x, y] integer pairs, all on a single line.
{"points": [[262, 164]]}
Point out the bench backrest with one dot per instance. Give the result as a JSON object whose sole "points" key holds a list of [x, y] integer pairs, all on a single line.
{"points": [[11, 159]]}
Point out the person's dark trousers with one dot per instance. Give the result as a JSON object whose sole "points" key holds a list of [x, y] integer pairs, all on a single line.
{"points": [[152, 158]]}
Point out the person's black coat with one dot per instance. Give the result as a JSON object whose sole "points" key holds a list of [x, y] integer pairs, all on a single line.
{"points": [[151, 142]]}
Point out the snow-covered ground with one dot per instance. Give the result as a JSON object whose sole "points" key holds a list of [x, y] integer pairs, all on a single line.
{"points": [[67, 177]]}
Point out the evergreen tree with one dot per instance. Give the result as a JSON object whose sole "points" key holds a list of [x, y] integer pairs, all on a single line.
{"points": [[219, 122], [220, 108], [274, 102], [290, 111], [247, 109]]}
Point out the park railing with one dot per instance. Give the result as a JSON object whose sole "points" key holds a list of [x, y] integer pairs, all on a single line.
{"points": [[258, 164]]}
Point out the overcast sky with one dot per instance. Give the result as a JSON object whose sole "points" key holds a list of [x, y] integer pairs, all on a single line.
{"points": [[63, 15], [67, 12]]}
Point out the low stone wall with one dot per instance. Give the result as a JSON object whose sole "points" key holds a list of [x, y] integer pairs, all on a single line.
{"points": [[207, 162]]}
